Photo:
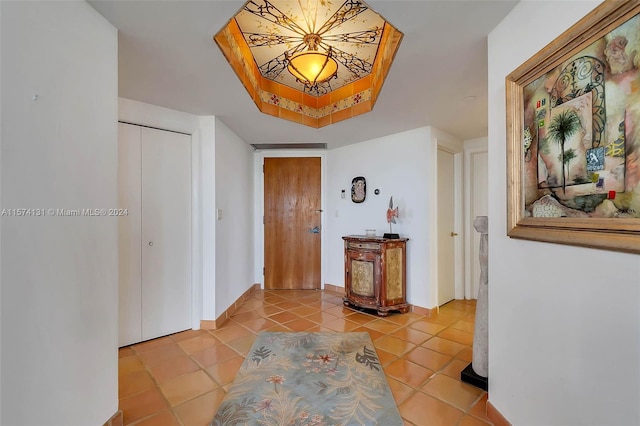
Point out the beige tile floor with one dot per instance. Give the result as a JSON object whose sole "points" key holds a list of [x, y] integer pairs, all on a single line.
{"points": [[181, 379]]}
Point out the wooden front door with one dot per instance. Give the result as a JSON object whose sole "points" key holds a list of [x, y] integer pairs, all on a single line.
{"points": [[292, 215]]}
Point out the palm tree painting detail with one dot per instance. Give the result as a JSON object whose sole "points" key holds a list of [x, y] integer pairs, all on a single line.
{"points": [[562, 127], [566, 157]]}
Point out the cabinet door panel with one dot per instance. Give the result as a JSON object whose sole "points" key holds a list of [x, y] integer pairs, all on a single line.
{"points": [[166, 232], [362, 278], [363, 269], [129, 250], [394, 275]]}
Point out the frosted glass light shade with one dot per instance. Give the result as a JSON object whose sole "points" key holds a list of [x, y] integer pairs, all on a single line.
{"points": [[312, 67]]}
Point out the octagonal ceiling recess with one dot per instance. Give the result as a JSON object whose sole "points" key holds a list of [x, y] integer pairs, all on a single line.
{"points": [[260, 40]]}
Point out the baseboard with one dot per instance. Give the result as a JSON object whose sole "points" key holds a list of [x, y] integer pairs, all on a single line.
{"points": [[217, 323], [423, 311], [333, 288], [412, 308], [115, 420], [496, 416]]}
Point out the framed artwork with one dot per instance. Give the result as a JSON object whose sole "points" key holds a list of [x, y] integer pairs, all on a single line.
{"points": [[573, 135], [358, 189]]}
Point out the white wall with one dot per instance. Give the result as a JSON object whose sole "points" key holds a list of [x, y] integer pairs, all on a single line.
{"points": [[234, 196], [564, 322], [59, 274], [398, 166], [0, 223], [206, 298]]}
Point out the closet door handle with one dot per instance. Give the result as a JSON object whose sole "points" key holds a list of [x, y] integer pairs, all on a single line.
{"points": [[151, 243]]}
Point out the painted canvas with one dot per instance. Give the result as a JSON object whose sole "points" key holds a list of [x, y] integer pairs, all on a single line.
{"points": [[581, 143]]}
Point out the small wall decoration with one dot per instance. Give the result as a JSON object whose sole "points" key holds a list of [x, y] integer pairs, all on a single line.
{"points": [[573, 135], [358, 189]]}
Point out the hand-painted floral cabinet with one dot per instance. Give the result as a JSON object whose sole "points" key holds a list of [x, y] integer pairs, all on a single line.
{"points": [[375, 273]]}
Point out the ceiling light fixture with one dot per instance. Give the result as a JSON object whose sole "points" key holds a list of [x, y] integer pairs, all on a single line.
{"points": [[312, 67], [313, 62]]}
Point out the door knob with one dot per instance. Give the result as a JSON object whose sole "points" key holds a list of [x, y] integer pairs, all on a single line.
{"points": [[453, 234], [150, 243]]}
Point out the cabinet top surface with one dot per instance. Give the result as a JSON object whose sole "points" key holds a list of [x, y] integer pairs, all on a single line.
{"points": [[365, 238]]}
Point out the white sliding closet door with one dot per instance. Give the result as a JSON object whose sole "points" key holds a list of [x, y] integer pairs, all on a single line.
{"points": [[166, 232], [155, 237]]}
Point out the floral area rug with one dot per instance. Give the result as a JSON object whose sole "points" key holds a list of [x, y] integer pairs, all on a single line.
{"points": [[292, 378]]}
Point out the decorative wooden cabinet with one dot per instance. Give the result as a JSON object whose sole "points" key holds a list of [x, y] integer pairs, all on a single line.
{"points": [[375, 273]]}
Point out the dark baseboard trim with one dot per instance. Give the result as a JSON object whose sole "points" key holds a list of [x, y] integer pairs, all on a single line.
{"points": [[116, 419], [333, 288], [427, 312], [496, 416], [217, 323]]}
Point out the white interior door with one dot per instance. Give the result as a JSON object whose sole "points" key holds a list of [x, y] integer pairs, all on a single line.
{"points": [[446, 225], [166, 232], [129, 243], [154, 237]]}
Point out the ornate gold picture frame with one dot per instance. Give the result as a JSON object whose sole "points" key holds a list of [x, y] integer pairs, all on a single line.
{"points": [[573, 135]]}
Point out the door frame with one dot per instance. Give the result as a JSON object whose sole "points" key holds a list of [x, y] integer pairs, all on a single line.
{"points": [[457, 150], [437, 196], [259, 157]]}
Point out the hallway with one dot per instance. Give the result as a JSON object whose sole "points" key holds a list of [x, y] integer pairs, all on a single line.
{"points": [[181, 379]]}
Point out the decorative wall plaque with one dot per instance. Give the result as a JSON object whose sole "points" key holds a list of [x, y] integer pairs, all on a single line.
{"points": [[358, 189]]}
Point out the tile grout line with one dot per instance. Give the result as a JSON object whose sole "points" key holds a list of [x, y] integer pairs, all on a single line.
{"points": [[329, 304]]}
